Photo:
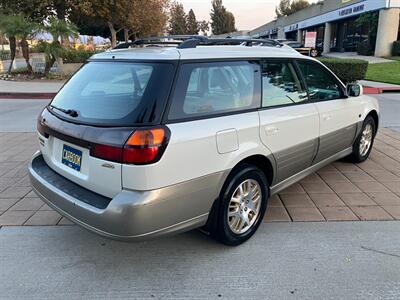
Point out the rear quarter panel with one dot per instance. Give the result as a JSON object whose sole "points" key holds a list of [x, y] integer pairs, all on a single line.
{"points": [[193, 152]]}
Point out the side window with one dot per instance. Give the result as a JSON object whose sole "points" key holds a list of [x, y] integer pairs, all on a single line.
{"points": [[321, 85], [295, 45], [281, 85], [211, 88]]}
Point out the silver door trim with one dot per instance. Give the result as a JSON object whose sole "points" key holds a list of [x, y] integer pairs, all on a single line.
{"points": [[297, 177], [294, 159], [335, 141]]}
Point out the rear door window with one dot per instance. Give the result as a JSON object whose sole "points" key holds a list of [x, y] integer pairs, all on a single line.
{"points": [[206, 89], [116, 93]]}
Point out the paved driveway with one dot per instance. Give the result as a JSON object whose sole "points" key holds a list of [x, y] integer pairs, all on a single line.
{"points": [[390, 110], [286, 259], [347, 260], [339, 192], [20, 115]]}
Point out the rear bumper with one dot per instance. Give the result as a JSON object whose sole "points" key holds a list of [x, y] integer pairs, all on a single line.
{"points": [[130, 215]]}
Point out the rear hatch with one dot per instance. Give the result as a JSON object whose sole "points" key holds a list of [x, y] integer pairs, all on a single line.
{"points": [[95, 113]]}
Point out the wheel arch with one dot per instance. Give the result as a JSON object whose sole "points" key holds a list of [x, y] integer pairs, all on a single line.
{"points": [[260, 161], [374, 114]]}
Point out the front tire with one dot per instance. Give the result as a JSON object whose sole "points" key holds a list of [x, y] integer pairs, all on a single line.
{"points": [[242, 205], [363, 145], [314, 53]]}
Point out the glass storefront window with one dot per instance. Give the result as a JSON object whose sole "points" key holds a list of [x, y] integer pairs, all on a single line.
{"points": [[346, 34], [291, 36]]}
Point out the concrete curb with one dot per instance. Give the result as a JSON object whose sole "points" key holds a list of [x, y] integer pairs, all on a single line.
{"points": [[9, 96], [381, 90]]}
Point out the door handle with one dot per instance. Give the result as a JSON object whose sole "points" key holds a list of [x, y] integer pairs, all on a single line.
{"points": [[271, 130], [326, 117]]}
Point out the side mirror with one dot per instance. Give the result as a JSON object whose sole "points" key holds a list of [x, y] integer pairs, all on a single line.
{"points": [[354, 90]]}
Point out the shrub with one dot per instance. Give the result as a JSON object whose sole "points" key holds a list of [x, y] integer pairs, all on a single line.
{"points": [[396, 48], [4, 54], [70, 55], [79, 55], [363, 48], [40, 47], [23, 70], [348, 70]]}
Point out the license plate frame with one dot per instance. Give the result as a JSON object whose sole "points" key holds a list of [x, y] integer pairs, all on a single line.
{"points": [[71, 157]]}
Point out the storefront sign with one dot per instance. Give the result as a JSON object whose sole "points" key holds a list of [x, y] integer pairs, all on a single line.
{"points": [[293, 27], [351, 10], [311, 39], [343, 12]]}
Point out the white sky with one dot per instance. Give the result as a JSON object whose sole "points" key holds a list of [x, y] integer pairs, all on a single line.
{"points": [[249, 14]]}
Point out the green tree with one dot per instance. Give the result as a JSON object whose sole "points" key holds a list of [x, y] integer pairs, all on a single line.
{"points": [[61, 8], [149, 17], [192, 24], [230, 22], [33, 10], [370, 20], [20, 20], [222, 21], [59, 29], [15, 28], [178, 20], [204, 27], [8, 29], [132, 17], [288, 7], [111, 12]]}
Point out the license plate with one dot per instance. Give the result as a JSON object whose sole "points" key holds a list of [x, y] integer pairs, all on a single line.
{"points": [[72, 157]]}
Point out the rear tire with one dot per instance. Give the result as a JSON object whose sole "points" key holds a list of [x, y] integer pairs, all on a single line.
{"points": [[363, 144], [242, 205]]}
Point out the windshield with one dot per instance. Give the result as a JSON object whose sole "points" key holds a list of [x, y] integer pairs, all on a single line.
{"points": [[115, 94]]}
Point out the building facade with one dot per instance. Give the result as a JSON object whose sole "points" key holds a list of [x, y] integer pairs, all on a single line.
{"points": [[335, 22]]}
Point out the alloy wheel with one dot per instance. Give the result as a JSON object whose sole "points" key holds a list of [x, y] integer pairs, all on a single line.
{"points": [[366, 140], [244, 206]]}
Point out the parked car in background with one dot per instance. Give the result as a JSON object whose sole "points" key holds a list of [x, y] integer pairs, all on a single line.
{"points": [[162, 139], [299, 47]]}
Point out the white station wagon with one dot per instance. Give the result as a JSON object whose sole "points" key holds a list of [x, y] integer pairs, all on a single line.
{"points": [[171, 135]]}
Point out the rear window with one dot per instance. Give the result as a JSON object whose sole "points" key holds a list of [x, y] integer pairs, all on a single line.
{"points": [[116, 93]]}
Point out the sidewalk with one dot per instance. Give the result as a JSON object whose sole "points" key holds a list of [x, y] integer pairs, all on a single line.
{"points": [[354, 55], [29, 89]]}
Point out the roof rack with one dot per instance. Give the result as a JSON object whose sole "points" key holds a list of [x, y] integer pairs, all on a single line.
{"points": [[192, 41]]}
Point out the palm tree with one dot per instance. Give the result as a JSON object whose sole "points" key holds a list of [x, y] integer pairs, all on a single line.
{"points": [[59, 29], [17, 27]]}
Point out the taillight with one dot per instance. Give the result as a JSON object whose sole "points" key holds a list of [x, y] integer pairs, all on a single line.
{"points": [[144, 146], [107, 152]]}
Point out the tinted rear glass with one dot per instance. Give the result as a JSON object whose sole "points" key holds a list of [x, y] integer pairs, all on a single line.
{"points": [[205, 89], [116, 93]]}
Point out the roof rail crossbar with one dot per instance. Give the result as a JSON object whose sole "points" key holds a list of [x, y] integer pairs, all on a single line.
{"points": [[192, 41], [160, 40]]}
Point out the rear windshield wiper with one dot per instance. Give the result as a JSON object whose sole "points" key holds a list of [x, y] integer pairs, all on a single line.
{"points": [[71, 112]]}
